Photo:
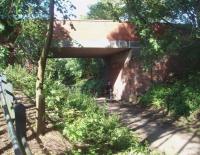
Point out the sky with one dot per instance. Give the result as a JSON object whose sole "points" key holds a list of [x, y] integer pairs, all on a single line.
{"points": [[82, 7]]}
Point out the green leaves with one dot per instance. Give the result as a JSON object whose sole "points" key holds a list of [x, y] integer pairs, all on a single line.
{"points": [[101, 133], [155, 44], [21, 79], [164, 26], [2, 27], [31, 38], [79, 117], [104, 9], [182, 98], [3, 57]]}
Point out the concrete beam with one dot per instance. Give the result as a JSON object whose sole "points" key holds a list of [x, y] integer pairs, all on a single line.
{"points": [[71, 52]]}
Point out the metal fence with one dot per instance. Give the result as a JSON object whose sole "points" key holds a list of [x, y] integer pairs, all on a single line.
{"points": [[15, 116]]}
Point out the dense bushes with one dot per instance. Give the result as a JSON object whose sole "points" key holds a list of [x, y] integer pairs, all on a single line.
{"points": [[75, 69], [181, 97], [21, 79], [92, 86], [89, 125], [90, 128], [3, 57]]}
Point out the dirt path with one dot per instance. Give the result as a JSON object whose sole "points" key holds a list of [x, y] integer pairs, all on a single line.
{"points": [[50, 143], [5, 143], [162, 133]]}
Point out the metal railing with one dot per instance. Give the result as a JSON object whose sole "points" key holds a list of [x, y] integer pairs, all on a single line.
{"points": [[15, 116]]}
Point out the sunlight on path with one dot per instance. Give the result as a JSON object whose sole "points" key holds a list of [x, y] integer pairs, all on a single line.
{"points": [[5, 143], [51, 143], [161, 132]]}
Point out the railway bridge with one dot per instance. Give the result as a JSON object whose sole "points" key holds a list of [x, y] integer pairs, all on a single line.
{"points": [[117, 43]]}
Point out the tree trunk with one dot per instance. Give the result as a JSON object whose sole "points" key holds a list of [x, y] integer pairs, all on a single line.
{"points": [[40, 98]]}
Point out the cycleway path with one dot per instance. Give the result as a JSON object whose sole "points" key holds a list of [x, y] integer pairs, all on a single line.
{"points": [[161, 132]]}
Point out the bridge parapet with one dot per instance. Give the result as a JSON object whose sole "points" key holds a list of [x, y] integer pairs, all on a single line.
{"points": [[96, 43], [94, 33]]}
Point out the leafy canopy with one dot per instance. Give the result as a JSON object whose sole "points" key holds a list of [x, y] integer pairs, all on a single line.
{"points": [[23, 23], [179, 19], [107, 10]]}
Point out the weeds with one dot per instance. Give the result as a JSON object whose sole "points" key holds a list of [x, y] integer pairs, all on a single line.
{"points": [[181, 98]]}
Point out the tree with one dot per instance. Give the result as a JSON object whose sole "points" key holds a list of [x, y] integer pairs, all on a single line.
{"points": [[9, 28], [25, 23], [107, 10], [161, 25], [177, 17]]}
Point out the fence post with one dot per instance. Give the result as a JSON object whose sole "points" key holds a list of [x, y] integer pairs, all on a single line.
{"points": [[15, 113], [9, 121]]}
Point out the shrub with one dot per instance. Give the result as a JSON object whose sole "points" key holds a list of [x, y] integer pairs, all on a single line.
{"points": [[79, 117], [3, 57], [21, 79], [156, 95], [92, 86], [102, 134], [86, 123], [181, 98]]}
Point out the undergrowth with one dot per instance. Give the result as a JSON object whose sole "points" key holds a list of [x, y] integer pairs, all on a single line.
{"points": [[90, 128], [180, 98]]}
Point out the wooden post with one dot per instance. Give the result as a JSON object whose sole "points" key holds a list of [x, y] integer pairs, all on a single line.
{"points": [[40, 98]]}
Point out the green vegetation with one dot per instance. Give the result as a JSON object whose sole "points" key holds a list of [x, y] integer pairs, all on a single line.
{"points": [[83, 73], [164, 27], [180, 95], [180, 98], [90, 128], [107, 10], [21, 79], [3, 57], [23, 30]]}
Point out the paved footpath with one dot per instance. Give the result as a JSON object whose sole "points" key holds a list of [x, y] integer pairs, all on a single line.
{"points": [[162, 133]]}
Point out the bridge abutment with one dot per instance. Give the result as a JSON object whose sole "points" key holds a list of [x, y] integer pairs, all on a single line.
{"points": [[128, 77]]}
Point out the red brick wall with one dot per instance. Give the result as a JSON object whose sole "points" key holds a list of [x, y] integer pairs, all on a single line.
{"points": [[130, 80]]}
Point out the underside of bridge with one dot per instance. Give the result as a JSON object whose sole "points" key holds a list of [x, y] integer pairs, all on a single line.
{"points": [[119, 46], [75, 52], [113, 41]]}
